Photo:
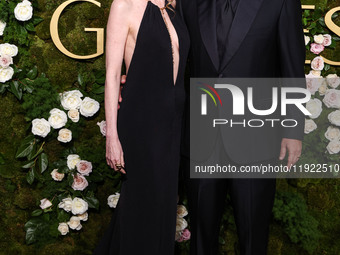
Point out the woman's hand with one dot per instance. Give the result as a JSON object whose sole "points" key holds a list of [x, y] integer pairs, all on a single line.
{"points": [[114, 154]]}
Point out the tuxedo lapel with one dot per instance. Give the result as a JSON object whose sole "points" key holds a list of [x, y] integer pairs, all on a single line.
{"points": [[206, 11], [244, 17]]}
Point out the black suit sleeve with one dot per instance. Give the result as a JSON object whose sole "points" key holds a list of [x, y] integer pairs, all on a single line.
{"points": [[292, 59]]}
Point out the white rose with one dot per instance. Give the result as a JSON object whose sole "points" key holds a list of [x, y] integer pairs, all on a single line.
{"points": [[332, 98], [79, 206], [63, 228], [181, 211], [72, 160], [74, 223], [334, 117], [84, 216], [181, 224], [323, 89], [307, 39], [73, 114], [89, 107], [71, 99], [6, 74], [66, 204], [178, 235], [333, 80], [2, 27], [332, 133], [23, 11], [102, 126], [314, 106], [310, 126], [45, 203], [112, 200], [313, 83], [315, 73], [56, 175], [327, 40], [5, 61], [58, 118], [318, 64], [40, 127], [64, 135], [333, 147], [8, 49], [319, 39]]}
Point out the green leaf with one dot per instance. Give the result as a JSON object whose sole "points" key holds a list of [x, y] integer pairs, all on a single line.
{"points": [[92, 201], [43, 162], [29, 165], [80, 80], [15, 89], [63, 216], [37, 212], [3, 87], [33, 228], [32, 74], [30, 27], [99, 90], [100, 76], [37, 20], [36, 154], [31, 235], [24, 150], [30, 176]]}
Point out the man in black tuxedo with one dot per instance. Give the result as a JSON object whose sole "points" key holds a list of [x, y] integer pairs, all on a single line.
{"points": [[243, 39]]}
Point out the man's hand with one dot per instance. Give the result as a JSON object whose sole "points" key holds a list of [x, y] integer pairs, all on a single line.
{"points": [[294, 148], [122, 81]]}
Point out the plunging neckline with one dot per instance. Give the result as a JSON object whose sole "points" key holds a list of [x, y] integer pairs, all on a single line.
{"points": [[174, 80]]}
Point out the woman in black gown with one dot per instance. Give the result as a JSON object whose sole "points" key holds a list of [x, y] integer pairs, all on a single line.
{"points": [[144, 135]]}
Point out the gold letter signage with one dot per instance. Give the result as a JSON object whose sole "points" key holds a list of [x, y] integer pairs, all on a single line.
{"points": [[55, 34]]}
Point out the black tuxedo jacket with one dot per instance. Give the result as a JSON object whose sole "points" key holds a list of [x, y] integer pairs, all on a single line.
{"points": [[266, 40]]}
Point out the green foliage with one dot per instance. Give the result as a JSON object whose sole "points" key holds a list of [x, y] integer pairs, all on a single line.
{"points": [[43, 98], [17, 32], [291, 211]]}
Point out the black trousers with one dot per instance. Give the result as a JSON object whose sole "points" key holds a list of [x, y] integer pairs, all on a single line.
{"points": [[252, 201]]}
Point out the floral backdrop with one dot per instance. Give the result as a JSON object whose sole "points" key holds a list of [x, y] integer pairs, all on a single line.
{"points": [[57, 193]]}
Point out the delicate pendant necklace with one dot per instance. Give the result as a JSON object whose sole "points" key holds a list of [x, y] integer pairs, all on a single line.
{"points": [[167, 27]]}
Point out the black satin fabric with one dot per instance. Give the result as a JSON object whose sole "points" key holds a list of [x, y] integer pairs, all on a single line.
{"points": [[149, 128]]}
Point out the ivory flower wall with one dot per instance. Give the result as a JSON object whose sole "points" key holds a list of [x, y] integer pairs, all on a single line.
{"points": [[69, 187]]}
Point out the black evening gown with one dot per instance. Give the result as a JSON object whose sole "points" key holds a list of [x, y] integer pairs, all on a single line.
{"points": [[149, 128]]}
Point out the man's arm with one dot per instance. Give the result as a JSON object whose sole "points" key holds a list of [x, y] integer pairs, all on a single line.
{"points": [[292, 60]]}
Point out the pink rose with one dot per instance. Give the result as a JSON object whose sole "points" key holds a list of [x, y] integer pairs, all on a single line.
{"points": [[316, 48], [186, 234], [332, 98], [79, 182], [5, 61], [84, 167], [327, 40], [181, 239], [317, 64]]}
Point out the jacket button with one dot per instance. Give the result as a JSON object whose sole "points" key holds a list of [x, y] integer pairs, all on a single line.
{"points": [[220, 75]]}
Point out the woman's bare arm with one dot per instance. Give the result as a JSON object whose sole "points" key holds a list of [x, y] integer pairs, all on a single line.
{"points": [[116, 36]]}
